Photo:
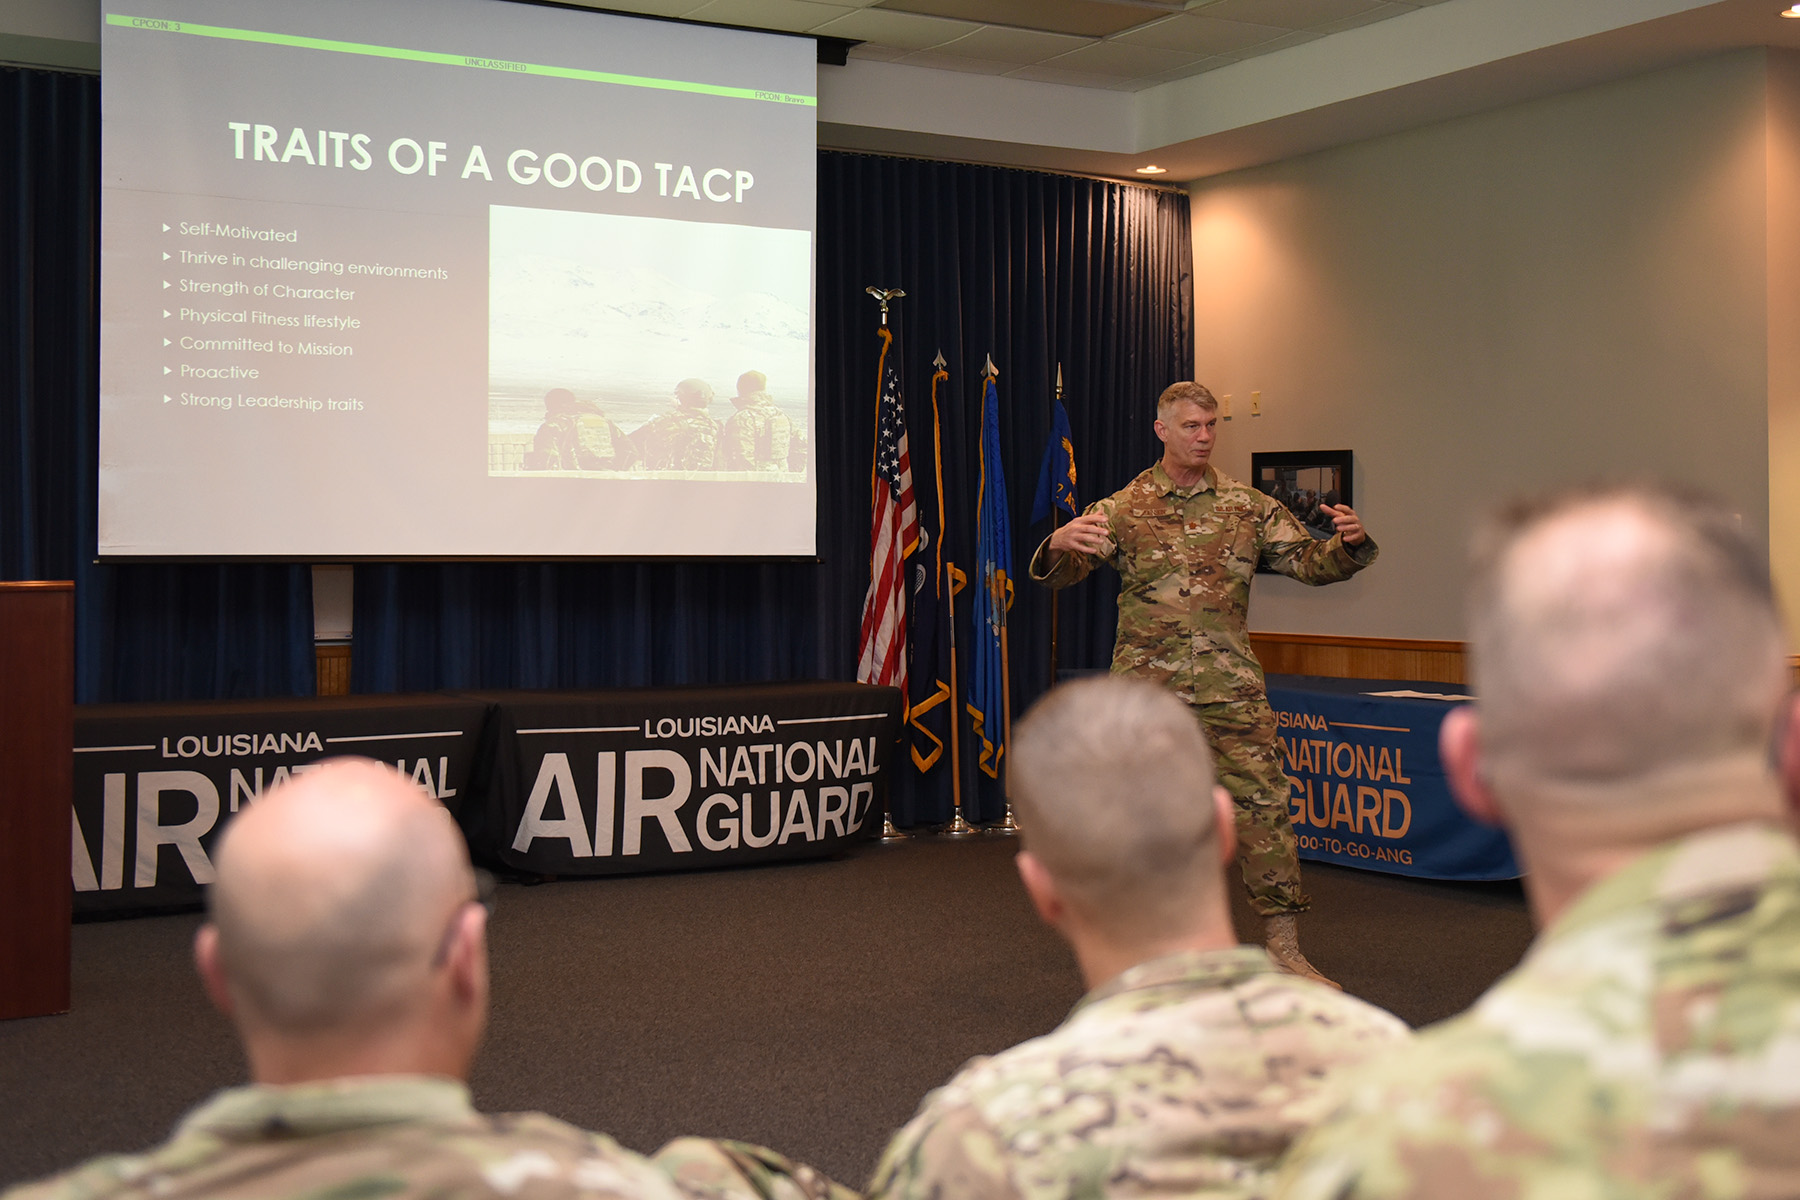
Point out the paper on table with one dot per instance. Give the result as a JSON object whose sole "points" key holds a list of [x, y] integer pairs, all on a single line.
{"points": [[1408, 694]]}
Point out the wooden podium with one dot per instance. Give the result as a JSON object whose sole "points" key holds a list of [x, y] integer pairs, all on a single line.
{"points": [[37, 756]]}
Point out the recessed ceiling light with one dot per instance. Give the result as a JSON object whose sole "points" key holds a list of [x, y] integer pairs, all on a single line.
{"points": [[1153, 169], [1791, 12]]}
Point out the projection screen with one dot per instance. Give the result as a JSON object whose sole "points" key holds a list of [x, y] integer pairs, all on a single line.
{"points": [[453, 278]]}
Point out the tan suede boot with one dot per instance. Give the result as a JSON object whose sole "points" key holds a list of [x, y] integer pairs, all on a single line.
{"points": [[1281, 938]]}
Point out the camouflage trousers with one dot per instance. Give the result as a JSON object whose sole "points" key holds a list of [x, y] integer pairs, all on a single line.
{"points": [[1248, 759]]}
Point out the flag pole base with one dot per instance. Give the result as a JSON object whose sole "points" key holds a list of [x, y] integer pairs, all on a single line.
{"points": [[1006, 827], [958, 828], [891, 832]]}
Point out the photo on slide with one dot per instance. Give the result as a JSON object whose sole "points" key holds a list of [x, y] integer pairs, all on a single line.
{"points": [[640, 347]]}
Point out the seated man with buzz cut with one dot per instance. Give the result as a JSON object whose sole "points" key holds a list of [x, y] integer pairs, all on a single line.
{"points": [[1630, 673], [348, 945], [1193, 1061]]}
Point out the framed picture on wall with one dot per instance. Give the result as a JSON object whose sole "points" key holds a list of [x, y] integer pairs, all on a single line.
{"points": [[1303, 480]]}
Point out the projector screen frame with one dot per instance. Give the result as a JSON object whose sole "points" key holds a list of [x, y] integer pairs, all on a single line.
{"points": [[702, 498]]}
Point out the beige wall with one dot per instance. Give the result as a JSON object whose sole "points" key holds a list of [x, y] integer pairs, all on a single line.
{"points": [[1573, 287], [1784, 327]]}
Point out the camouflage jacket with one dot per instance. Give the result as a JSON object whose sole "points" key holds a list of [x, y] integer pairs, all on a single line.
{"points": [[1645, 1047], [579, 441], [399, 1136], [683, 440], [1187, 1075], [756, 437], [1185, 557]]}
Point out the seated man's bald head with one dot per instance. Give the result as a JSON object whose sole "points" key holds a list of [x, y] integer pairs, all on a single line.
{"points": [[1619, 632], [335, 899]]}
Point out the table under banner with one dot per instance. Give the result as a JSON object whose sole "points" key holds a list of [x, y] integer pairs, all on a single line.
{"points": [[1368, 789], [555, 783], [607, 782], [156, 783]]}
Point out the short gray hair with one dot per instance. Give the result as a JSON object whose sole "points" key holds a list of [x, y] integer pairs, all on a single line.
{"points": [[1621, 630], [1112, 782], [1185, 392]]}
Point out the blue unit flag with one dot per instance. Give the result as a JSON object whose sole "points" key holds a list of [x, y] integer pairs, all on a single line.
{"points": [[1056, 477], [993, 596]]}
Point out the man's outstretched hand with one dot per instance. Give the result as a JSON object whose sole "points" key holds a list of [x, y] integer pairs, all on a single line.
{"points": [[1085, 535], [1347, 522]]}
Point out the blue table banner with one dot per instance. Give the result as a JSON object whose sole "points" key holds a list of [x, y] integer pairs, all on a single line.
{"points": [[1368, 789]]}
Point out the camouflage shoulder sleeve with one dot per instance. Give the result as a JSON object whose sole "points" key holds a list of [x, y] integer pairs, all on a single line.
{"points": [[712, 1169], [946, 1151], [102, 1177], [1289, 549], [1448, 1117]]}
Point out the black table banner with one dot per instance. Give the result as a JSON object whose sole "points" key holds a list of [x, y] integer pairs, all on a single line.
{"points": [[610, 782], [156, 783]]}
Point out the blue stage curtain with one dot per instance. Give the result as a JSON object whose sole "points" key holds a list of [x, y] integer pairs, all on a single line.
{"points": [[142, 632], [1031, 268]]}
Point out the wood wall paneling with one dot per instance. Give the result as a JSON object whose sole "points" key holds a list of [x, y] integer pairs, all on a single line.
{"points": [[1360, 657], [333, 662]]}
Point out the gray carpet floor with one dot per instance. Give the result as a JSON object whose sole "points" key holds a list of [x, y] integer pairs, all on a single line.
{"points": [[804, 1006]]}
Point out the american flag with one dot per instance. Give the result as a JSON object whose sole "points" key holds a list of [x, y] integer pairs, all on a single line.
{"points": [[893, 534]]}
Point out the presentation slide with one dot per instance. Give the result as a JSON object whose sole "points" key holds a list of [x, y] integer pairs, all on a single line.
{"points": [[453, 278]]}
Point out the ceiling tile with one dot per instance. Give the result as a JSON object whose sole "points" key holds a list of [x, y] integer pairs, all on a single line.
{"points": [[1119, 59], [901, 31], [792, 15], [951, 62], [1297, 38], [1083, 18], [1195, 34], [1288, 14], [1379, 13], [1012, 46], [1187, 72]]}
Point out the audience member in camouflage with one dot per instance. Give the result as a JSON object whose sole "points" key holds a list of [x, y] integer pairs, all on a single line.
{"points": [[708, 1169], [1630, 673], [577, 436], [685, 439], [347, 946], [375, 1136], [1186, 541], [756, 436], [1192, 1062]]}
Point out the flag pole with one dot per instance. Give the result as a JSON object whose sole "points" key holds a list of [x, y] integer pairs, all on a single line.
{"points": [[958, 827], [890, 832], [947, 589]]}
